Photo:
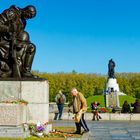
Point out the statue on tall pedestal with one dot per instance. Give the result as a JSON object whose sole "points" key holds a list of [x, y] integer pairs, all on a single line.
{"points": [[17, 83], [16, 50], [112, 87], [111, 71]]}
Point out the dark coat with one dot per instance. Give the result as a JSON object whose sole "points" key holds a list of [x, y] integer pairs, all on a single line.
{"points": [[125, 108], [136, 106]]}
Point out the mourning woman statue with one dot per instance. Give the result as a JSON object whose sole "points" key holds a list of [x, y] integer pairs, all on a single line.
{"points": [[16, 50], [111, 66]]}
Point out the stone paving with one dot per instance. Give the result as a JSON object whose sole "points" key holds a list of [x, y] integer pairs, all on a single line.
{"points": [[115, 130], [108, 130]]}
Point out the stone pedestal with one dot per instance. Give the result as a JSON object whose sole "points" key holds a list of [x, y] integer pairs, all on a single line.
{"points": [[112, 84], [112, 100], [112, 90], [36, 93], [13, 114]]}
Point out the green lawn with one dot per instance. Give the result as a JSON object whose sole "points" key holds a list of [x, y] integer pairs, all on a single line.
{"points": [[100, 99], [128, 98]]}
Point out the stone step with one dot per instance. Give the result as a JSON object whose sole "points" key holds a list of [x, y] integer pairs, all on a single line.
{"points": [[14, 135], [16, 132], [100, 138], [11, 129]]}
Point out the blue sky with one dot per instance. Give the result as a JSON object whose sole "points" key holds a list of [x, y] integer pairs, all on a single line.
{"points": [[82, 35]]}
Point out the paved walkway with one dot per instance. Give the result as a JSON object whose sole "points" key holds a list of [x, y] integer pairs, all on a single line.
{"points": [[107, 130]]}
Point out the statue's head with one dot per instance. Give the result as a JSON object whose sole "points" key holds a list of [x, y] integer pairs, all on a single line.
{"points": [[28, 12]]}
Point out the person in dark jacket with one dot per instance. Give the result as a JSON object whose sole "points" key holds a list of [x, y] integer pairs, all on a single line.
{"points": [[136, 106], [125, 107]]}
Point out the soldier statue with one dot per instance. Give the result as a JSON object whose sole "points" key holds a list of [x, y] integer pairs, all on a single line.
{"points": [[111, 71], [16, 50]]}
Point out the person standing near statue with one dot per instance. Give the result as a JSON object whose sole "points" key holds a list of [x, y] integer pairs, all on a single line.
{"points": [[111, 71], [60, 101], [79, 108]]}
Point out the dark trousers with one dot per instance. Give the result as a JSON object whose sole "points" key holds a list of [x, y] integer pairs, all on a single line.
{"points": [[60, 110], [82, 123]]}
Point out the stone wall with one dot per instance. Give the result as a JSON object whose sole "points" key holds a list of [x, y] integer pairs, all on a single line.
{"points": [[105, 116]]}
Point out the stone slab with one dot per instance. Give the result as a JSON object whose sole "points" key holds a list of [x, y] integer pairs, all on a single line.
{"points": [[119, 116], [31, 91], [13, 114], [9, 90], [36, 93], [38, 112], [13, 132]]}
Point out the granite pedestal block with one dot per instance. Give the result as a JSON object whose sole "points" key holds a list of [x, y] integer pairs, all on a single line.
{"points": [[13, 132], [35, 92], [13, 114]]}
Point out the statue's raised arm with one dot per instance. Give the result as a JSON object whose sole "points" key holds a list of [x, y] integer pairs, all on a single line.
{"points": [[111, 71]]}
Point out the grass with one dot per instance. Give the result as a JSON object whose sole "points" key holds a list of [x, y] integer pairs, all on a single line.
{"points": [[35, 138], [61, 133], [128, 98], [98, 98]]}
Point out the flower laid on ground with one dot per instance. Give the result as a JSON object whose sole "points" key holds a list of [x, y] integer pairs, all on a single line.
{"points": [[46, 123], [102, 110], [38, 130]]}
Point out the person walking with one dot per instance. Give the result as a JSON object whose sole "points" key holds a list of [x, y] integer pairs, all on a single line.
{"points": [[60, 101], [79, 108]]}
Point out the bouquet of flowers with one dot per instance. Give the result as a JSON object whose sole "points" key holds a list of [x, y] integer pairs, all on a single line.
{"points": [[40, 127], [37, 129]]}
